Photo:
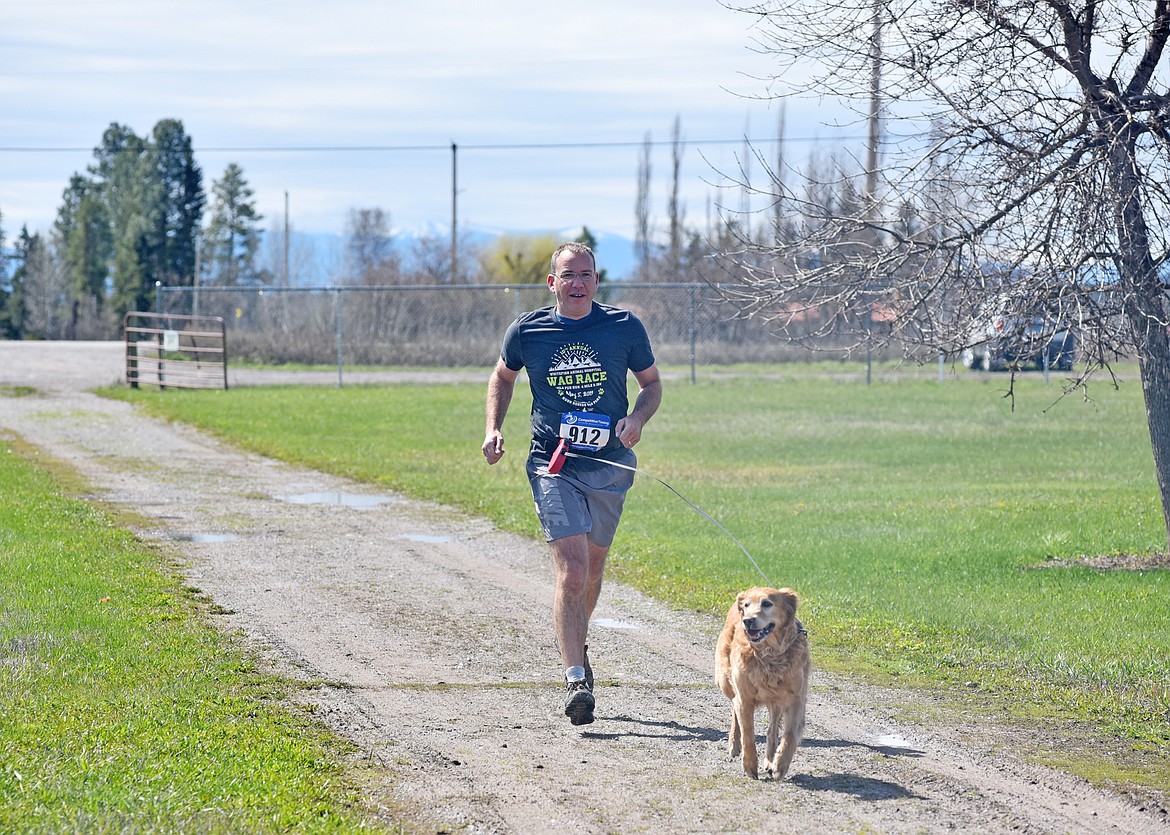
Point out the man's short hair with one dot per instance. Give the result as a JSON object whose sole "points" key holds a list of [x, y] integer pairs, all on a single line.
{"points": [[575, 247]]}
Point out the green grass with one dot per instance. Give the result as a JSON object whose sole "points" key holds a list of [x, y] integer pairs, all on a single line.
{"points": [[123, 709], [913, 517]]}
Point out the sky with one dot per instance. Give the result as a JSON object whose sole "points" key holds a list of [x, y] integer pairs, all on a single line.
{"points": [[351, 104]]}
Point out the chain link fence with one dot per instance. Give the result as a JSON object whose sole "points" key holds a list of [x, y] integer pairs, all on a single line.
{"points": [[463, 325]]}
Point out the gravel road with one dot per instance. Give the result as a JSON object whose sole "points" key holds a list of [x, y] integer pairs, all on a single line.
{"points": [[431, 633]]}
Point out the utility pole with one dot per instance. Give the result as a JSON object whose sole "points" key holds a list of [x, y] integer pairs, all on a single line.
{"points": [[454, 204], [871, 162], [875, 92]]}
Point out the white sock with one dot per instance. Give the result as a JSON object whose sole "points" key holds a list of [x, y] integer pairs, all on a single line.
{"points": [[575, 674]]}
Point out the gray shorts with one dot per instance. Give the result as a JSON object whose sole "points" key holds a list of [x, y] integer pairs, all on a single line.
{"points": [[586, 496]]}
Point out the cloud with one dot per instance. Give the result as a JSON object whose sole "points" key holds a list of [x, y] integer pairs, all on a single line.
{"points": [[266, 75]]}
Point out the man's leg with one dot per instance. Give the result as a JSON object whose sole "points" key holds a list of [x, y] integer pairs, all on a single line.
{"points": [[597, 556], [579, 568]]}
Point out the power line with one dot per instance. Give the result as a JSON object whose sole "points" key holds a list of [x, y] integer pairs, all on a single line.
{"points": [[532, 146]]}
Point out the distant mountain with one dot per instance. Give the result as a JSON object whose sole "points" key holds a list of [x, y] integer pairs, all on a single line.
{"points": [[325, 251], [615, 255]]}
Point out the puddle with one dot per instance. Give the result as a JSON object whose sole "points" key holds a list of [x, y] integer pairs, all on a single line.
{"points": [[892, 741], [358, 500], [610, 623], [425, 537], [202, 537]]}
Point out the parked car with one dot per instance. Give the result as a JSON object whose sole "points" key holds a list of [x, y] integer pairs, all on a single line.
{"points": [[1002, 341]]}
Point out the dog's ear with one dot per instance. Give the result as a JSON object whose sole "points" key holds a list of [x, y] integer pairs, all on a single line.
{"points": [[739, 601], [788, 599]]}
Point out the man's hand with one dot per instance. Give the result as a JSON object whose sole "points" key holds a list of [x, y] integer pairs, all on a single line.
{"points": [[628, 431], [493, 447], [499, 394]]}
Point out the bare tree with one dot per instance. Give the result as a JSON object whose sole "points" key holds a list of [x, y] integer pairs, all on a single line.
{"points": [[1025, 166], [293, 256], [369, 247], [431, 257], [673, 209], [642, 248], [776, 175], [45, 289]]}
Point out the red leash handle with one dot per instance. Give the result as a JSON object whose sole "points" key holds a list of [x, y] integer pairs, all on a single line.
{"points": [[558, 459]]}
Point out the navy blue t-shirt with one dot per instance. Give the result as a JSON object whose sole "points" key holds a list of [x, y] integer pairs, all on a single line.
{"points": [[576, 365]]}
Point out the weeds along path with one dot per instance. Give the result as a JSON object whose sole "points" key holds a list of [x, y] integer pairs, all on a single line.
{"points": [[428, 637]]}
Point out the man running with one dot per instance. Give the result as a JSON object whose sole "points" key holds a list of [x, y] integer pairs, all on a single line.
{"points": [[577, 354]]}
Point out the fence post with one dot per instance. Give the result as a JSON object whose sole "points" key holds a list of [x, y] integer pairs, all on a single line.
{"points": [[694, 327], [338, 316], [131, 356]]}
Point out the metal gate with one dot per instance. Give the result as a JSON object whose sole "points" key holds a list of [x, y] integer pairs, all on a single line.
{"points": [[175, 351]]}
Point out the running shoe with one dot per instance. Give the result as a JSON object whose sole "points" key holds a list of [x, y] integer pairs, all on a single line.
{"points": [[579, 703]]}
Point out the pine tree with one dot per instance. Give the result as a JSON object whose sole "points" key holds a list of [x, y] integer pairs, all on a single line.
{"points": [[183, 199], [84, 244], [233, 234], [13, 313], [132, 193], [5, 290]]}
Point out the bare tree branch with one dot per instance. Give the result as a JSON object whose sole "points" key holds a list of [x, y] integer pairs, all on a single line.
{"points": [[1036, 202]]}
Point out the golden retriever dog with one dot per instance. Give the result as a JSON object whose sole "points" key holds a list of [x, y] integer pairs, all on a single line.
{"points": [[761, 660]]}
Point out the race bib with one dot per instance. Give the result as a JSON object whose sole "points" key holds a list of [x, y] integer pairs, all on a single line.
{"points": [[586, 431]]}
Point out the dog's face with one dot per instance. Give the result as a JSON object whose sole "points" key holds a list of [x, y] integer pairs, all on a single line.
{"points": [[764, 611]]}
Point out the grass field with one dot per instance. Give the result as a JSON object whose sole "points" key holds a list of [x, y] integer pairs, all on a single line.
{"points": [[123, 709], [935, 533], [938, 538]]}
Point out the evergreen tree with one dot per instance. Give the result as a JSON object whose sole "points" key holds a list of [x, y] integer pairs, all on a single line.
{"points": [[13, 314], [139, 212], [183, 200], [132, 192], [233, 234], [4, 288], [84, 243]]}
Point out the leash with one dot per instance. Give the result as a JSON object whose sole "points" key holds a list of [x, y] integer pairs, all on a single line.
{"points": [[557, 461]]}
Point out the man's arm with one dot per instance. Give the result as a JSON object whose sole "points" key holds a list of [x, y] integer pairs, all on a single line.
{"points": [[501, 384], [629, 428]]}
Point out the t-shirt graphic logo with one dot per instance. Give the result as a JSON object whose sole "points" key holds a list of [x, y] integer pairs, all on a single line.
{"points": [[577, 376]]}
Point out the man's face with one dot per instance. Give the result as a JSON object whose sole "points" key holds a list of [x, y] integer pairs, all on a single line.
{"points": [[574, 284]]}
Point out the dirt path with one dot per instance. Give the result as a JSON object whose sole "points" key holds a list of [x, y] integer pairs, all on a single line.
{"points": [[432, 632]]}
